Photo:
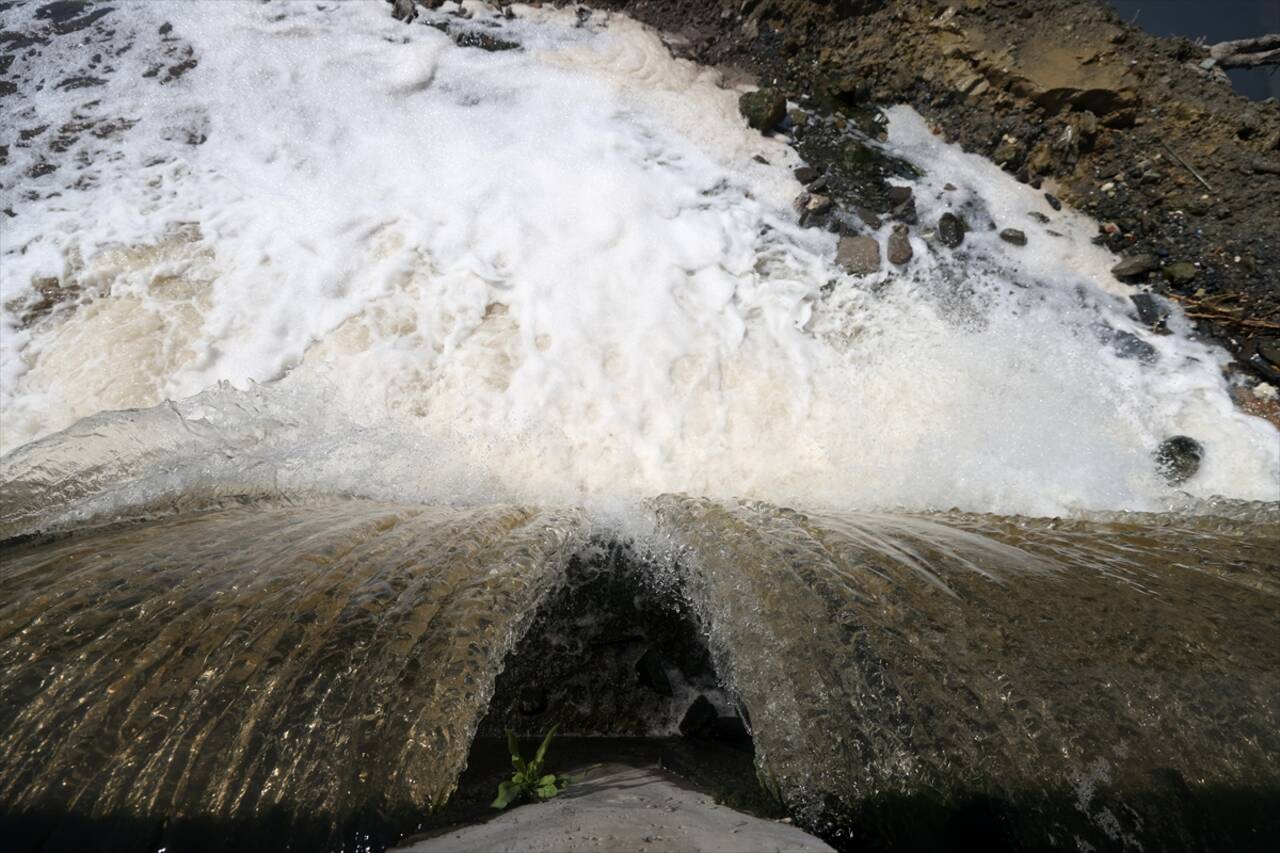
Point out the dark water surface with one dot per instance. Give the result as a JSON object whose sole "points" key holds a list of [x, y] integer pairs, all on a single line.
{"points": [[1213, 21]]}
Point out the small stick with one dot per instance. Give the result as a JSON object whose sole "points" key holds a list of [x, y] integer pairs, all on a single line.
{"points": [[1187, 166]]}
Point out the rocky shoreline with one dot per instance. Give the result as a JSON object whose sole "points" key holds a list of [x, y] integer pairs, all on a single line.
{"points": [[1182, 174]]}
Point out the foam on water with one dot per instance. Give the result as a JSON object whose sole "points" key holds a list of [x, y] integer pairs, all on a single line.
{"points": [[562, 267]]}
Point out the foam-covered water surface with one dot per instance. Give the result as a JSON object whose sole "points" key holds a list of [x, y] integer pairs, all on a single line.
{"points": [[561, 266]]}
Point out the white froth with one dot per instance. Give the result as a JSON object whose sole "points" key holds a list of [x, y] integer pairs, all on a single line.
{"points": [[565, 264]]}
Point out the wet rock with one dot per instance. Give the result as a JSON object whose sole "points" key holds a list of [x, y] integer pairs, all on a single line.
{"points": [[763, 108], [902, 204], [1039, 217], [818, 204], [900, 252], [652, 671], [1180, 273], [1129, 345], [1269, 349], [700, 719], [403, 10], [1152, 310], [1135, 266], [1009, 152], [1014, 236], [857, 158], [1178, 459], [1053, 201], [807, 174], [859, 255], [951, 230]]}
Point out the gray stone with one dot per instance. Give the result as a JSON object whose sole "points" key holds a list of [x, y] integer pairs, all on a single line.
{"points": [[951, 230], [859, 255], [403, 10], [653, 673], [763, 108], [1152, 310], [900, 252], [1135, 266], [1181, 272], [1014, 236], [1178, 459], [806, 174]]}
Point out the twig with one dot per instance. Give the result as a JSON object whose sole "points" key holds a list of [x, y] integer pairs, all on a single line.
{"points": [[1187, 166]]}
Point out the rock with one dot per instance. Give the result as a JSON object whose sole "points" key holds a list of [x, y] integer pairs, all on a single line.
{"points": [[902, 204], [1009, 152], [1269, 348], [1041, 160], [1180, 273], [1129, 345], [900, 252], [1053, 201], [858, 255], [818, 204], [402, 10], [1178, 459], [951, 230], [806, 174], [700, 718], [857, 158], [763, 108], [1039, 217], [1152, 310], [1135, 266], [1014, 236], [653, 673]]}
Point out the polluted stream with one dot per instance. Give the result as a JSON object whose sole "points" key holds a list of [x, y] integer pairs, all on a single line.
{"points": [[372, 387]]}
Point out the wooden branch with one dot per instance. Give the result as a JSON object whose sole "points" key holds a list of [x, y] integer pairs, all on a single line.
{"points": [[1247, 53]]}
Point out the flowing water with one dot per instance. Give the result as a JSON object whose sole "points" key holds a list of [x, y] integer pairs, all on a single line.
{"points": [[358, 377]]}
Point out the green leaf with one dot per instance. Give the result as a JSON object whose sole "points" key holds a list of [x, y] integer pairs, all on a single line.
{"points": [[508, 792], [549, 779], [546, 792], [542, 749], [514, 748]]}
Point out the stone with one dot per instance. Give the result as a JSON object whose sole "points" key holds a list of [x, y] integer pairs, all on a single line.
{"points": [[1269, 348], [857, 158], [1180, 273], [1129, 345], [1009, 152], [818, 204], [806, 174], [1152, 310], [1053, 201], [403, 10], [653, 673], [951, 230], [1039, 217], [1178, 459], [1135, 266], [858, 255], [1014, 236], [700, 718], [763, 108], [902, 204], [900, 252]]}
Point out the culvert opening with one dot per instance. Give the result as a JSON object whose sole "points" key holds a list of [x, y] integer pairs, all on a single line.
{"points": [[618, 660]]}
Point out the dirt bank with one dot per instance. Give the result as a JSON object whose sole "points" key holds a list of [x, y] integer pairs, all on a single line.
{"points": [[1182, 173]]}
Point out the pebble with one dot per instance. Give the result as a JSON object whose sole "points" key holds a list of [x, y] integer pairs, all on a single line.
{"points": [[900, 252], [859, 255], [1014, 236], [951, 230]]}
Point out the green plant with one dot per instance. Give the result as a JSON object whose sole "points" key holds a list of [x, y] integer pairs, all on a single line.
{"points": [[528, 780]]}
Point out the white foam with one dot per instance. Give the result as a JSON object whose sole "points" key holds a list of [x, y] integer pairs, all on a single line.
{"points": [[564, 263]]}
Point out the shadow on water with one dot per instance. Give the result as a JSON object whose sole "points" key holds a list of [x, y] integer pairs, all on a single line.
{"points": [[336, 675]]}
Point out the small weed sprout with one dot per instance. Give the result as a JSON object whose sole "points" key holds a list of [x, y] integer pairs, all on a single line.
{"points": [[528, 781]]}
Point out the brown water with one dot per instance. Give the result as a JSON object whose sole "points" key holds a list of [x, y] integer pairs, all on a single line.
{"points": [[313, 673]]}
